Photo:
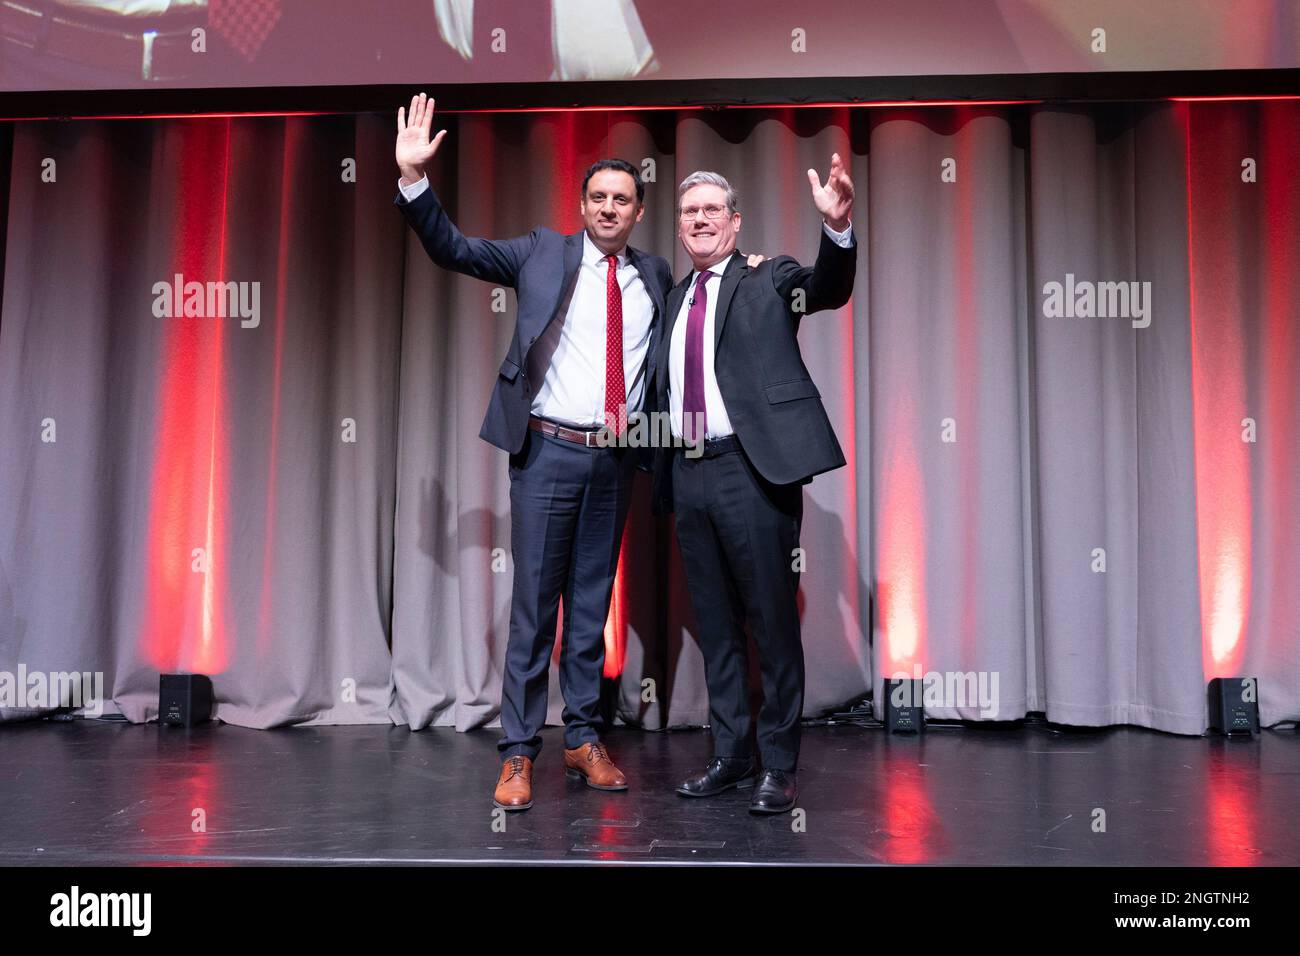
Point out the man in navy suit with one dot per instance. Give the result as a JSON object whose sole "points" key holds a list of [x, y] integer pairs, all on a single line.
{"points": [[731, 376], [583, 349]]}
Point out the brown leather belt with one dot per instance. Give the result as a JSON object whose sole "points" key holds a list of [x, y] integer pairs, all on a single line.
{"points": [[579, 436], [159, 54]]}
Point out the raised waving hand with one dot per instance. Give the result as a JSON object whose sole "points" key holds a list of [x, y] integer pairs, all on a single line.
{"points": [[414, 147]]}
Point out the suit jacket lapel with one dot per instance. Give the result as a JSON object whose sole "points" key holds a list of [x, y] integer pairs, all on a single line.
{"points": [[647, 280], [671, 308], [736, 270], [657, 300], [572, 260], [730, 280]]}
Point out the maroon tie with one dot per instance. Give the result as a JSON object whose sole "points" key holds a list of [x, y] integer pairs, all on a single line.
{"points": [[615, 389], [693, 386]]}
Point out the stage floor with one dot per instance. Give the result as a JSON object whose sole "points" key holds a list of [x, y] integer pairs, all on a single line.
{"points": [[109, 793]]}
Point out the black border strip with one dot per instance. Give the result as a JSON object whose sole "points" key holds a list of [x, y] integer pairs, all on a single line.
{"points": [[775, 91]]}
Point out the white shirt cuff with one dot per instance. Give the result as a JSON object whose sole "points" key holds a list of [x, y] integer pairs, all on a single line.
{"points": [[841, 239], [413, 190]]}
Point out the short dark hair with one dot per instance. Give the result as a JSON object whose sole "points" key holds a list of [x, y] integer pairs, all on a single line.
{"points": [[623, 166]]}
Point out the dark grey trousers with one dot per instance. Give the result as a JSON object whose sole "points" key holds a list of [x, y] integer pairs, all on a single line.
{"points": [[737, 533]]}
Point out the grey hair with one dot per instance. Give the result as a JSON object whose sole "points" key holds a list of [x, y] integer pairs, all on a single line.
{"points": [[702, 178]]}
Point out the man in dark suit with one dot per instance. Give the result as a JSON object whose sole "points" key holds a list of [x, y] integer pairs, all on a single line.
{"points": [[730, 375], [583, 350]]}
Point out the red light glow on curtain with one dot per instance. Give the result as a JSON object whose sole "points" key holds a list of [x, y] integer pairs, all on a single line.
{"points": [[616, 626], [1219, 403], [901, 561], [184, 626]]}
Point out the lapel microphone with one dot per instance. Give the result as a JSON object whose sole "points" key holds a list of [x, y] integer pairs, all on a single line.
{"points": [[694, 285], [691, 301]]}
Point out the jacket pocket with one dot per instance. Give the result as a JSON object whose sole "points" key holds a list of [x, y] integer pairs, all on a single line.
{"points": [[788, 391], [509, 370]]}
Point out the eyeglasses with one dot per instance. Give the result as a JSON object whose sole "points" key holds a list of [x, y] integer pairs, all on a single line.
{"points": [[710, 211]]}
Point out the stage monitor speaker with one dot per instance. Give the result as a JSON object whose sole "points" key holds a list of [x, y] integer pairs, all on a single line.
{"points": [[1234, 705], [903, 712], [184, 699]]}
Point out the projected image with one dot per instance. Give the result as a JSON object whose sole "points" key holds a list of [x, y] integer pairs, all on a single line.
{"points": [[590, 39], [110, 44], [127, 44]]}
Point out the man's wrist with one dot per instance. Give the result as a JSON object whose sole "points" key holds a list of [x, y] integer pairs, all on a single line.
{"points": [[410, 175], [837, 225]]}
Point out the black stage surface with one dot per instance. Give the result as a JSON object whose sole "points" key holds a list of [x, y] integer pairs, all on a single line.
{"points": [[101, 792]]}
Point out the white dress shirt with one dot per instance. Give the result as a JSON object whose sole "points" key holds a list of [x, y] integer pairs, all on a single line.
{"points": [[569, 357], [717, 424]]}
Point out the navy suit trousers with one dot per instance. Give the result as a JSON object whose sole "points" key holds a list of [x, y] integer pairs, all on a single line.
{"points": [[568, 504]]}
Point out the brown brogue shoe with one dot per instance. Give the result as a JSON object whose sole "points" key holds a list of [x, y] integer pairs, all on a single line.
{"points": [[591, 762], [515, 785]]}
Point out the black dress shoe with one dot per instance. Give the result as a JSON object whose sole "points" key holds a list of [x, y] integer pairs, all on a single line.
{"points": [[775, 793], [723, 773]]}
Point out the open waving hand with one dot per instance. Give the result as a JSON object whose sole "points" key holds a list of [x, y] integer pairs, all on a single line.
{"points": [[414, 148], [835, 199]]}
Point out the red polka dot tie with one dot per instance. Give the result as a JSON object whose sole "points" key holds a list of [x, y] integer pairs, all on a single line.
{"points": [[615, 389]]}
